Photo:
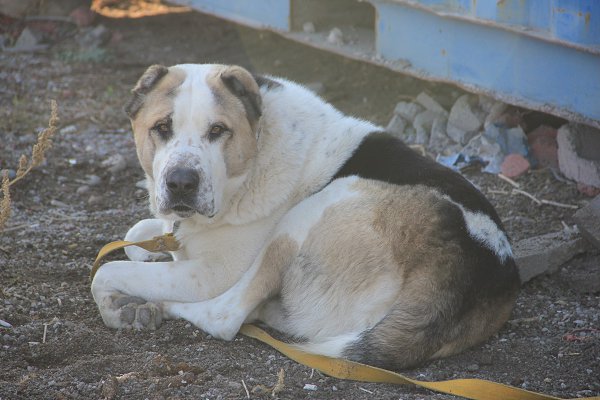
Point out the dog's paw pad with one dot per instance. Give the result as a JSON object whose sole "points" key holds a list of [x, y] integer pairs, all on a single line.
{"points": [[147, 316]]}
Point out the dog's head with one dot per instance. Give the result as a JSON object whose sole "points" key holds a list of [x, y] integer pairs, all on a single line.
{"points": [[195, 129]]}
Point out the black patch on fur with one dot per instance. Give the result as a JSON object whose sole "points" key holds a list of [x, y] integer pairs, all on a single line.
{"points": [[263, 81], [477, 279], [145, 84], [251, 101], [384, 157]]}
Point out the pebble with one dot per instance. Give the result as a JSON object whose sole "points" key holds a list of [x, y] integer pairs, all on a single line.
{"points": [[335, 37], [397, 125], [408, 110], [94, 180], [310, 386], [430, 104], [308, 27], [472, 367], [94, 200], [83, 189], [12, 174]]}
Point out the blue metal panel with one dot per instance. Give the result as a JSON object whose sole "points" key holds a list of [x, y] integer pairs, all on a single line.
{"points": [[481, 56], [256, 13]]}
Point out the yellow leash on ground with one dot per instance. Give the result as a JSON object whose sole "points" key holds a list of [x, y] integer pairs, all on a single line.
{"points": [[476, 389]]}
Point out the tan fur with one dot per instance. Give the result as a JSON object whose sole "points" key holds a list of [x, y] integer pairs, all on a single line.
{"points": [[278, 255], [241, 147], [157, 105]]}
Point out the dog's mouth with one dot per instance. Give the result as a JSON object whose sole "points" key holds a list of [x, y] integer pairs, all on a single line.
{"points": [[183, 210]]}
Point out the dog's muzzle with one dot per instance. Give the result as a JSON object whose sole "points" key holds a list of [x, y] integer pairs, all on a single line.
{"points": [[183, 185]]}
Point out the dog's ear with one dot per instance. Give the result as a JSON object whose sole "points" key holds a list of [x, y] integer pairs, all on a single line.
{"points": [[144, 85], [243, 85]]}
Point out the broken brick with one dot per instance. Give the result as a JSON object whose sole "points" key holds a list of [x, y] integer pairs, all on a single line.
{"points": [[514, 165], [578, 155], [543, 145]]}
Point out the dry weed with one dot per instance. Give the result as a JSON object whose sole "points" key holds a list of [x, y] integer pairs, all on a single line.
{"points": [[42, 145]]}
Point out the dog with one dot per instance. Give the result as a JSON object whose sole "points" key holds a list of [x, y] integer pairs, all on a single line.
{"points": [[320, 225]]}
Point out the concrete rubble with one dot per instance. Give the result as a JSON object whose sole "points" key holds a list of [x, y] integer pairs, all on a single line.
{"points": [[546, 253], [588, 221]]}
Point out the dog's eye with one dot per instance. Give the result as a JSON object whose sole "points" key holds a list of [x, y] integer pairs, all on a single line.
{"points": [[163, 129], [216, 131]]}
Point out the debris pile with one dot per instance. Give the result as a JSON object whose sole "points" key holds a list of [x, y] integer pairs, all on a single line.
{"points": [[478, 129], [31, 26]]}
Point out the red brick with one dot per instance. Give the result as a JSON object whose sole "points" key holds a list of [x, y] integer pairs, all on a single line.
{"points": [[544, 147], [514, 165]]}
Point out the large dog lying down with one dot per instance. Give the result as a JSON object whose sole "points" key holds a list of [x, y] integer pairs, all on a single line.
{"points": [[316, 223]]}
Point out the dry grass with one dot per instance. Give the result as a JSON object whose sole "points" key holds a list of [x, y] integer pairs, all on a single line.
{"points": [[42, 145]]}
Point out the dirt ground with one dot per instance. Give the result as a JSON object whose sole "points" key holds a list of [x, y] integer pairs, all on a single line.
{"points": [[85, 195]]}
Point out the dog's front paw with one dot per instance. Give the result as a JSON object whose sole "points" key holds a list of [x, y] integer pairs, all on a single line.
{"points": [[130, 312], [135, 253]]}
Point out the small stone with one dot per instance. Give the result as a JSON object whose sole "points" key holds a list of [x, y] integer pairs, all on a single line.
{"points": [[27, 41], [544, 147], [94, 37], [94, 200], [494, 114], [463, 116], [438, 139], [514, 165], [397, 125], [335, 37], [142, 184], [115, 163], [408, 110], [83, 16], [423, 124], [588, 221], [578, 155], [308, 27], [458, 135], [310, 386], [547, 380], [94, 180], [83, 189], [58, 203], [430, 104], [68, 129], [472, 367]]}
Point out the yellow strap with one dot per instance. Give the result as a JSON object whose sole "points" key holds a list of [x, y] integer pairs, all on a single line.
{"points": [[476, 389], [166, 242]]}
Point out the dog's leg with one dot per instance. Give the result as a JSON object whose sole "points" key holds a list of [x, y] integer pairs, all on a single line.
{"points": [[130, 294], [144, 230]]}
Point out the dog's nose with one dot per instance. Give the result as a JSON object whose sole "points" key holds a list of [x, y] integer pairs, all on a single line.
{"points": [[183, 181]]}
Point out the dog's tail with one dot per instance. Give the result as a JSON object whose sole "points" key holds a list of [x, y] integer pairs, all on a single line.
{"points": [[334, 346]]}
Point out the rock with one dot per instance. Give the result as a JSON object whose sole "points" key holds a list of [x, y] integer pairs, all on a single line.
{"points": [[83, 16], [83, 189], [486, 103], [473, 367], [310, 386], [28, 41], [463, 115], [93, 180], [94, 200], [546, 253], [142, 184], [578, 154], [308, 27], [397, 125], [495, 112], [430, 104], [12, 174], [115, 163], [590, 191], [487, 150], [408, 110], [438, 139], [335, 37], [588, 221], [544, 148], [423, 123], [514, 165]]}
